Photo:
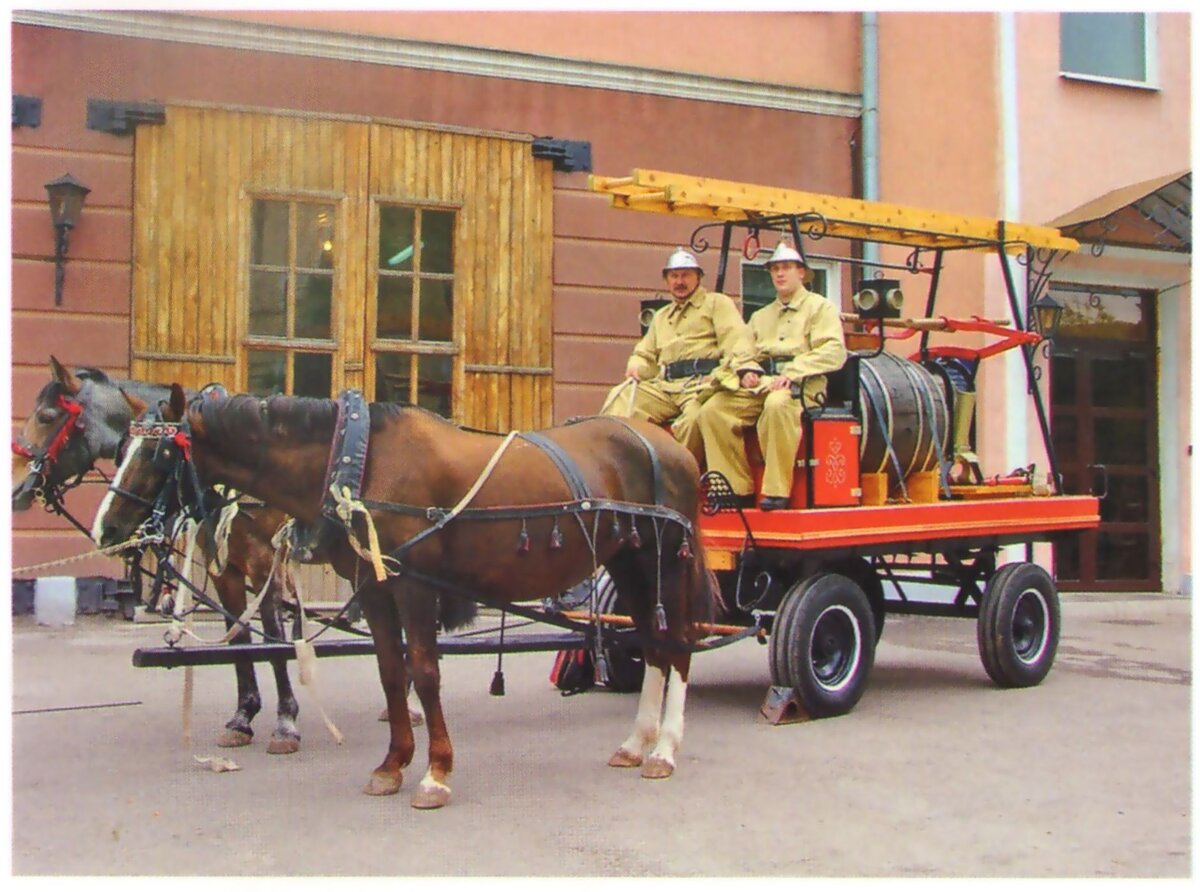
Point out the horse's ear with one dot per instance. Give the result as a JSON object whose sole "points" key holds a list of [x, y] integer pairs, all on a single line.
{"points": [[136, 405], [64, 376], [178, 404]]}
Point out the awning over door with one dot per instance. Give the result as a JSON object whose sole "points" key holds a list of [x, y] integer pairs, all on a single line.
{"points": [[1155, 214]]}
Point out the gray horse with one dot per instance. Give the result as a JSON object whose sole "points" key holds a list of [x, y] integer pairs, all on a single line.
{"points": [[81, 417]]}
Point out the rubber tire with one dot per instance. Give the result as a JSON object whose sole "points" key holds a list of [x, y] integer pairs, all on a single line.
{"points": [[826, 619], [1019, 624], [868, 580], [626, 668]]}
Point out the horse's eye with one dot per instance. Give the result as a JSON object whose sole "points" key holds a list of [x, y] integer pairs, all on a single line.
{"points": [[45, 416]]}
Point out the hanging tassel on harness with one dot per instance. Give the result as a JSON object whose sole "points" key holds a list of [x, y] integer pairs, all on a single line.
{"points": [[685, 549], [556, 538], [634, 538], [523, 540], [660, 617], [497, 687], [616, 525]]}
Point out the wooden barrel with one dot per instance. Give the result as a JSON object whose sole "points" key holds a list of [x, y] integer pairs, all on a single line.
{"points": [[903, 406]]}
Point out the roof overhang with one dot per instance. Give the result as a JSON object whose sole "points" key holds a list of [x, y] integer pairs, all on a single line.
{"points": [[1155, 214]]}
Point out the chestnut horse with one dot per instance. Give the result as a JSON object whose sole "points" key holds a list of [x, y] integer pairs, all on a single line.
{"points": [[79, 418], [525, 535]]}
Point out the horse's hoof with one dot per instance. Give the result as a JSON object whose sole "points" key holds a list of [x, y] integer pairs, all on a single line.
{"points": [[657, 767], [283, 746], [623, 758], [383, 784], [230, 738], [431, 795]]}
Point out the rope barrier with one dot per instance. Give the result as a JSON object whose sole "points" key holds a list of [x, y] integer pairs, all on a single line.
{"points": [[132, 542]]}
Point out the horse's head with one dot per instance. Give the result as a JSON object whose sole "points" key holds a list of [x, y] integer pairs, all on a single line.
{"points": [[153, 480], [78, 418]]}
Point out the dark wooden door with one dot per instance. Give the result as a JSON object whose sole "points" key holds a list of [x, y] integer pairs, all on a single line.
{"points": [[1104, 415]]}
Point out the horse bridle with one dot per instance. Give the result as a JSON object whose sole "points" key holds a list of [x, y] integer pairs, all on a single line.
{"points": [[173, 454], [43, 459]]}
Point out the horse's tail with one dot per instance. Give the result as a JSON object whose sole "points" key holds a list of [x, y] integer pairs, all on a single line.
{"points": [[455, 612]]}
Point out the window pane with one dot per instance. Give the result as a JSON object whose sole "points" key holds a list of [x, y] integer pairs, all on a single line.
{"points": [[1119, 382], [314, 236], [314, 301], [1065, 432], [1110, 316], [1104, 44], [392, 377], [437, 242], [396, 225], [437, 313], [818, 282], [1127, 500], [757, 290], [1062, 380], [269, 233], [1123, 556], [312, 375], [434, 373], [1066, 558], [394, 308], [1120, 441], [266, 371], [268, 303]]}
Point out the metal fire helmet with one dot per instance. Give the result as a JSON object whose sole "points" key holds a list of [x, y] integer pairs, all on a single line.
{"points": [[681, 259], [783, 253]]}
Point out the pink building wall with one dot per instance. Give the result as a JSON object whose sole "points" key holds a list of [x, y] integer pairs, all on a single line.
{"points": [[763, 47]]}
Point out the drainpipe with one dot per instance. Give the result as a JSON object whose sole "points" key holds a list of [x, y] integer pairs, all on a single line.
{"points": [[1015, 406], [870, 121]]}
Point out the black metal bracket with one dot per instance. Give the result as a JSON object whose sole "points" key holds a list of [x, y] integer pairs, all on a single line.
{"points": [[568, 155], [26, 111], [120, 118]]}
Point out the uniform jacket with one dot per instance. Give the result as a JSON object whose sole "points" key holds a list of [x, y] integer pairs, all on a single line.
{"points": [[808, 328], [706, 326]]}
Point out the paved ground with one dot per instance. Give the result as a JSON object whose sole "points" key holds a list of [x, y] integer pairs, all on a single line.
{"points": [[936, 773]]}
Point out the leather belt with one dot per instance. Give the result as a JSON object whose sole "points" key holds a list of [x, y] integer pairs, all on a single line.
{"points": [[773, 365], [686, 368]]}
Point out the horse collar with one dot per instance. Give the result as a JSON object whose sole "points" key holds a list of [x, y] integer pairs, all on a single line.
{"points": [[343, 475]]}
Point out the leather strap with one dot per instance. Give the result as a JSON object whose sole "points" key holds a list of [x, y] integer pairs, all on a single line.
{"points": [[565, 464]]}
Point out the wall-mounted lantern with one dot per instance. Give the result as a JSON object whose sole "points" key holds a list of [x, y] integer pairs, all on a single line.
{"points": [[66, 205], [1045, 314]]}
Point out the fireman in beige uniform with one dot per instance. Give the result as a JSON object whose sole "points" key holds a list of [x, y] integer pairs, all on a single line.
{"points": [[797, 338], [695, 340]]}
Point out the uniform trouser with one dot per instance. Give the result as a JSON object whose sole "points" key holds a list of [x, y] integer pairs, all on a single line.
{"points": [[776, 416], [653, 404]]}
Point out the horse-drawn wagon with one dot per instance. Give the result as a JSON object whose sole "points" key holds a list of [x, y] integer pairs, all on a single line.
{"points": [[888, 493], [889, 497]]}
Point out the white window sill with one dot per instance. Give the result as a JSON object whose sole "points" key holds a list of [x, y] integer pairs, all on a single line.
{"points": [[1112, 81]]}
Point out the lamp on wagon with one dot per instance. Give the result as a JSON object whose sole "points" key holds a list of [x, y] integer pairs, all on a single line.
{"points": [[66, 205], [1045, 314]]}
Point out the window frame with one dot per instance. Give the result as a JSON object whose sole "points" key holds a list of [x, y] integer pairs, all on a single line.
{"points": [[832, 271], [414, 348], [288, 344], [1150, 46]]}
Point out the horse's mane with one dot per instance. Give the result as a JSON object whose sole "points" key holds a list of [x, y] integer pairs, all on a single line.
{"points": [[296, 418]]}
